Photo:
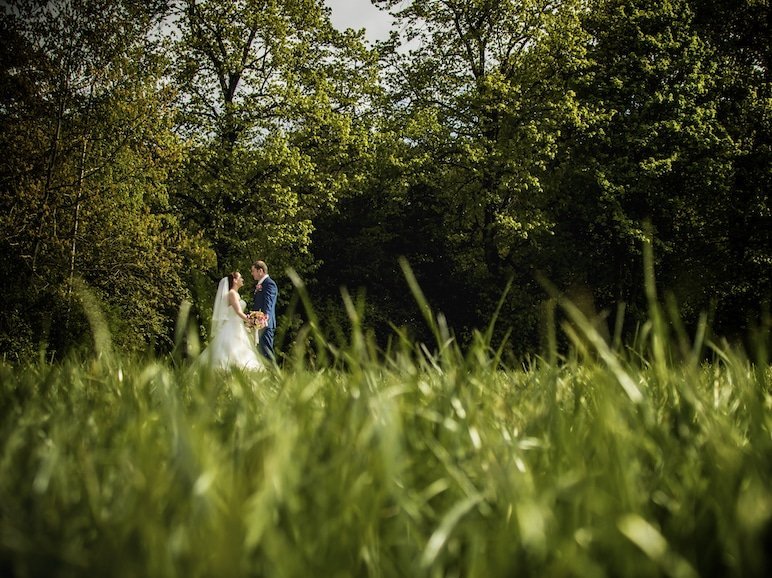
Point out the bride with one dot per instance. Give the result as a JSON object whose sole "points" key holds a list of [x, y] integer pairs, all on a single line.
{"points": [[231, 345]]}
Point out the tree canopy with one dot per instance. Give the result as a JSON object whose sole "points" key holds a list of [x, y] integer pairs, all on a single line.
{"points": [[151, 148]]}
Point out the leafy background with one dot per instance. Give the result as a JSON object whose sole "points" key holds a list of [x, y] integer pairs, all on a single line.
{"points": [[149, 149]]}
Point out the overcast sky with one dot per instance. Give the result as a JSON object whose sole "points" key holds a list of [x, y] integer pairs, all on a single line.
{"points": [[360, 14]]}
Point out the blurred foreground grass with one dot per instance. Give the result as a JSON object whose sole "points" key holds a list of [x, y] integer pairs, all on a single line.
{"points": [[609, 462]]}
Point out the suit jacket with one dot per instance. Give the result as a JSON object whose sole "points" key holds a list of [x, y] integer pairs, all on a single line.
{"points": [[264, 300]]}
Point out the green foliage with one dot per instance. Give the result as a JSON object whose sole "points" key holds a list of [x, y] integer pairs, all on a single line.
{"points": [[661, 146], [89, 134], [271, 94], [536, 138], [474, 120], [150, 148]]}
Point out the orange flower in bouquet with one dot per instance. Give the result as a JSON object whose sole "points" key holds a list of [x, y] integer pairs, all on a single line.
{"points": [[257, 319]]}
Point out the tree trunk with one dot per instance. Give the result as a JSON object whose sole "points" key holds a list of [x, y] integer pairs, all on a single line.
{"points": [[76, 211], [76, 227], [52, 158]]}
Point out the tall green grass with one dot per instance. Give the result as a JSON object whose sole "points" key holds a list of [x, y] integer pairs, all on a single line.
{"points": [[421, 461]]}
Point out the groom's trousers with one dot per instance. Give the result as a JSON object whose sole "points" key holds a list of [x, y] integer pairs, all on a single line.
{"points": [[266, 343]]}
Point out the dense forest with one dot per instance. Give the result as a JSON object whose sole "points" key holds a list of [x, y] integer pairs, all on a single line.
{"points": [[148, 148]]}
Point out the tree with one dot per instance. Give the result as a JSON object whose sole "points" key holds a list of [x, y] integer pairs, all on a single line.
{"points": [[271, 98], [88, 132], [475, 111], [658, 148], [738, 31]]}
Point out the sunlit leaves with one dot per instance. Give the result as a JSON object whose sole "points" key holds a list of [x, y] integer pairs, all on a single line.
{"points": [[275, 102]]}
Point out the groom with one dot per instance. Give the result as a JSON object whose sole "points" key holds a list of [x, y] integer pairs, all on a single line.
{"points": [[266, 292]]}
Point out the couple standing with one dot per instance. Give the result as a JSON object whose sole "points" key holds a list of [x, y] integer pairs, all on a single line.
{"points": [[232, 345]]}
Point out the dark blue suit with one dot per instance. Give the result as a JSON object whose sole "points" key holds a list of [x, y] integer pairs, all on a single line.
{"points": [[266, 293]]}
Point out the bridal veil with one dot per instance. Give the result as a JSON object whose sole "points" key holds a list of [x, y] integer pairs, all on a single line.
{"points": [[220, 309]]}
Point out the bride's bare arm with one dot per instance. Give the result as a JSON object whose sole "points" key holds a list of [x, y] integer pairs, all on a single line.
{"points": [[233, 301]]}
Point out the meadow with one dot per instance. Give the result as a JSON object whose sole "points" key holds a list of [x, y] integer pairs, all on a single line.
{"points": [[651, 459]]}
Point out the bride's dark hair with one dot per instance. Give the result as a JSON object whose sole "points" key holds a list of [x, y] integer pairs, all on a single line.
{"points": [[231, 279]]}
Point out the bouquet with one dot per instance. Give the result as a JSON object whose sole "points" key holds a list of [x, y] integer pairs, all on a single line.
{"points": [[257, 319]]}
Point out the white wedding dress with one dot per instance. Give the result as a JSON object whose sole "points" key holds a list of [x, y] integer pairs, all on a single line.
{"points": [[231, 345]]}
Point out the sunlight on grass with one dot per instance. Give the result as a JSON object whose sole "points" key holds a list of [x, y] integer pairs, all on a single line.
{"points": [[420, 461]]}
